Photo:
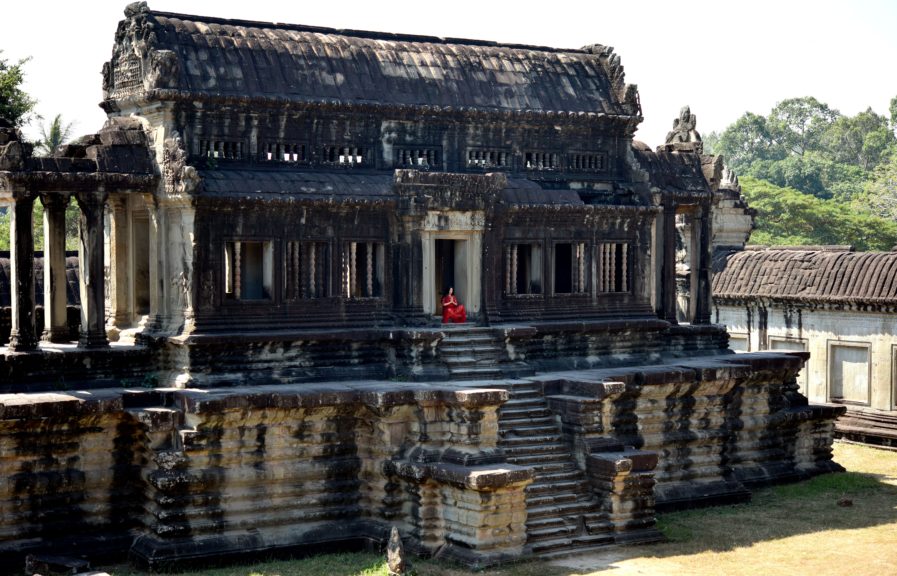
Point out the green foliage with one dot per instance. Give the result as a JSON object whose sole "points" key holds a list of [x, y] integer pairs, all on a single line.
{"points": [[16, 106], [786, 216], [811, 173], [747, 140], [72, 217], [893, 111], [862, 140], [880, 193], [804, 146], [797, 124], [53, 135]]}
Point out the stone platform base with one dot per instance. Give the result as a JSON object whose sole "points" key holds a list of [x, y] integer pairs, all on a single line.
{"points": [[868, 426], [480, 472]]}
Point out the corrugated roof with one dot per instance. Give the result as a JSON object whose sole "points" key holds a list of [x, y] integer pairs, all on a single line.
{"points": [[218, 57], [807, 275]]}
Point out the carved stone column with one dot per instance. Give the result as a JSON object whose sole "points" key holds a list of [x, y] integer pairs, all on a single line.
{"points": [[668, 268], [120, 302], [93, 305], [23, 336], [704, 256], [55, 301]]}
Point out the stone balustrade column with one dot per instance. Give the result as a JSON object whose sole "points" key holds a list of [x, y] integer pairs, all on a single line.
{"points": [[92, 274], [55, 301], [120, 313], [22, 336], [668, 269]]}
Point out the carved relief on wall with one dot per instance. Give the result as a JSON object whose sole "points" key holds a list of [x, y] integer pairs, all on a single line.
{"points": [[178, 176]]}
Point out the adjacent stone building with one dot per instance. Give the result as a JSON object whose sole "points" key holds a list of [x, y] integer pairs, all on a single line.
{"points": [[835, 303], [268, 221]]}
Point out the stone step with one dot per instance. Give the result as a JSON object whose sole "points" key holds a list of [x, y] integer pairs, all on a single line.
{"points": [[574, 508], [565, 546], [541, 448], [551, 467], [559, 476], [527, 426], [568, 526], [525, 402], [553, 532], [511, 441], [469, 348], [541, 500], [467, 340], [458, 361], [539, 459], [474, 373], [588, 523], [514, 413], [573, 486]]}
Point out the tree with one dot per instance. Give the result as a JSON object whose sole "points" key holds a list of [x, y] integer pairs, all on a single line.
{"points": [[893, 111], [16, 107], [860, 140], [797, 123], [786, 216], [881, 191], [52, 135], [746, 140]]}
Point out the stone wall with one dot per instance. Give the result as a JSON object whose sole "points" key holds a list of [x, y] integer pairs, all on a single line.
{"points": [[195, 475], [823, 332], [719, 425]]}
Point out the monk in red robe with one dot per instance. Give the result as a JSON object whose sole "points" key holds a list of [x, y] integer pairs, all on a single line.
{"points": [[451, 310]]}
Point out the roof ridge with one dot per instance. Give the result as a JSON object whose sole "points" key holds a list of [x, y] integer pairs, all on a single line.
{"points": [[367, 34]]}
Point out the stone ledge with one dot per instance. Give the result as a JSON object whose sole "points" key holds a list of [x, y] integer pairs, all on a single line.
{"points": [[478, 478]]}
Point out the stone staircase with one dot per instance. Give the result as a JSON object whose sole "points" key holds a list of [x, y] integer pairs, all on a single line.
{"points": [[562, 514], [470, 353]]}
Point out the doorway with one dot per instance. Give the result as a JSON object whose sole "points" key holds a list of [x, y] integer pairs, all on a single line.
{"points": [[449, 270]]}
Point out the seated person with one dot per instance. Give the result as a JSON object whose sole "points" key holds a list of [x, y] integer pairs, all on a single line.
{"points": [[451, 310]]}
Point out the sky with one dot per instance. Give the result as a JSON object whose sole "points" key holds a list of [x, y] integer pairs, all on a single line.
{"points": [[721, 58]]}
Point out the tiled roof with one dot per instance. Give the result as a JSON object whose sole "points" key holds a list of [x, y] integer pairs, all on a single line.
{"points": [[218, 57], [673, 171], [816, 275], [306, 185]]}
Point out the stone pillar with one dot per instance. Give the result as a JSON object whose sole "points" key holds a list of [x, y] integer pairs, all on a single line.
{"points": [[55, 301], [120, 294], [702, 259], [23, 336], [668, 268], [92, 280]]}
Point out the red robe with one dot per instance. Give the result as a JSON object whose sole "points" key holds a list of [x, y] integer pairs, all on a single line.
{"points": [[452, 311]]}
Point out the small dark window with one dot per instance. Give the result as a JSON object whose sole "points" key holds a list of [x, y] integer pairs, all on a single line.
{"points": [[343, 155], [523, 272], [248, 270], [488, 159], [613, 267], [590, 162], [283, 152], [305, 270], [569, 268], [541, 161], [221, 149], [363, 264], [420, 158]]}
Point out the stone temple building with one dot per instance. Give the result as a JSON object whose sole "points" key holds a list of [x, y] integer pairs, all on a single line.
{"points": [[830, 301], [268, 222]]}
